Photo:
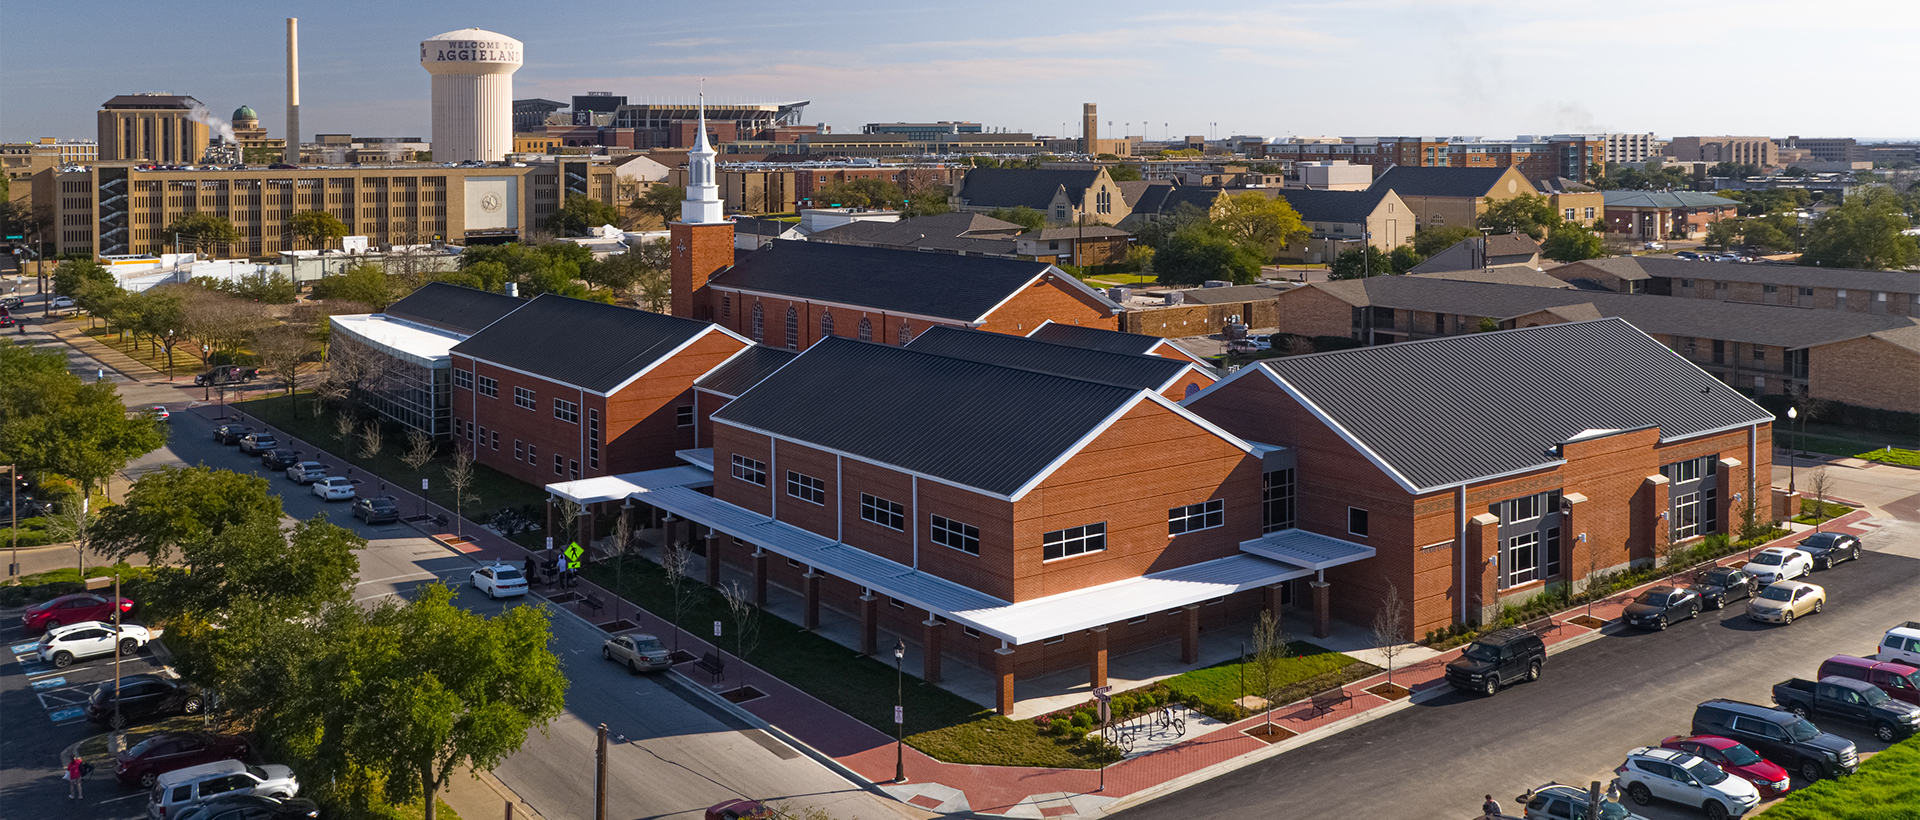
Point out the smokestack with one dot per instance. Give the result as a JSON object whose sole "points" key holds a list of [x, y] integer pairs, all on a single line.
{"points": [[293, 91]]}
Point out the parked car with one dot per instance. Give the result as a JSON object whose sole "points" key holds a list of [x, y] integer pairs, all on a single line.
{"points": [[1782, 737], [254, 444], [1720, 586], [61, 646], [226, 374], [307, 472], [7, 320], [1901, 644], [1779, 564], [638, 653], [252, 807], [231, 434], [1900, 681], [279, 459], [163, 752], [499, 580], [1854, 701], [1652, 246], [1661, 605], [740, 810], [1686, 255], [159, 411], [1829, 548], [70, 609], [62, 302], [333, 488], [1736, 759], [142, 697], [1780, 603], [1556, 801], [176, 791], [1651, 774], [11, 302], [382, 510], [1496, 659]]}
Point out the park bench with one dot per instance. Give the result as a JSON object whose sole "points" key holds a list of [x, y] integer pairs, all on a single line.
{"points": [[1541, 626], [1326, 699], [712, 664], [594, 603]]}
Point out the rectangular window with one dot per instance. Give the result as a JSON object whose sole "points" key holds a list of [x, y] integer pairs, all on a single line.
{"points": [[1276, 500], [1054, 640], [518, 449], [566, 411], [523, 398], [559, 465], [1522, 509], [1769, 289], [1193, 517], [1357, 521], [1759, 353], [573, 469], [1686, 516], [533, 455], [593, 439], [496, 439], [1553, 553], [463, 379], [749, 470], [950, 533], [883, 512], [1589, 213], [683, 415], [970, 632], [1522, 558], [896, 603], [806, 488], [1073, 541], [489, 387]]}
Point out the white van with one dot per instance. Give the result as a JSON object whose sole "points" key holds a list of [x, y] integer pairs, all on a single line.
{"points": [[1901, 644], [191, 786]]}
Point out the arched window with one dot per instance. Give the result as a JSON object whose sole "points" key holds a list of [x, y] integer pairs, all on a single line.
{"points": [[759, 324], [793, 328], [826, 323], [1191, 389], [866, 329], [906, 333]]}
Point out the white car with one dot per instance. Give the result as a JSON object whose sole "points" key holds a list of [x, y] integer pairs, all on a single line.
{"points": [[1779, 564], [62, 302], [639, 653], [1669, 774], [334, 488], [498, 580], [1653, 246], [63, 645]]}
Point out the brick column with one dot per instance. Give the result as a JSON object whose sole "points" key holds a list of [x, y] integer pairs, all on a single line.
{"points": [[1483, 547], [1573, 552], [713, 560], [1270, 599], [1322, 610], [869, 623], [1097, 663], [760, 578], [1003, 680], [932, 646], [1190, 634], [1733, 480], [1656, 526], [811, 583], [1785, 504]]}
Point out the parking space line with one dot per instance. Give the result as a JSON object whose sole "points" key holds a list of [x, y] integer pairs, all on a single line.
{"points": [[118, 799]]}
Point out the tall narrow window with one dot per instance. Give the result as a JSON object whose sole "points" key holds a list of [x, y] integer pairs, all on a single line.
{"points": [[1523, 557], [1553, 552], [826, 323], [726, 305], [793, 328], [759, 323], [1276, 500], [866, 329], [906, 334], [593, 439]]}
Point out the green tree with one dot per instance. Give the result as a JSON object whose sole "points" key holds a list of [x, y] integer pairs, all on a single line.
{"points": [[1260, 224], [1531, 214], [1773, 232], [172, 506], [1863, 232], [864, 192], [1404, 258], [1359, 263], [71, 276], [660, 202], [365, 282], [581, 215], [1733, 169], [298, 570], [1021, 215], [1572, 243], [52, 422], [1124, 173], [926, 200], [1200, 252], [1434, 240], [201, 231], [316, 228]]}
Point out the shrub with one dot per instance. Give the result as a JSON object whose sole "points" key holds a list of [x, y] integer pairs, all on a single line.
{"points": [[1082, 719]]}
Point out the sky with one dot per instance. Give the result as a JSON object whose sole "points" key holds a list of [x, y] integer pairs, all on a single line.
{"points": [[1494, 68]]}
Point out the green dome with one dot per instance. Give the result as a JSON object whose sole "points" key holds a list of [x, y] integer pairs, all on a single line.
{"points": [[245, 113]]}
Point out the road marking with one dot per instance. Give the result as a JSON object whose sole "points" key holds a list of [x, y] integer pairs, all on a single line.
{"points": [[49, 683], [407, 577], [67, 714], [32, 669], [118, 799], [25, 648]]}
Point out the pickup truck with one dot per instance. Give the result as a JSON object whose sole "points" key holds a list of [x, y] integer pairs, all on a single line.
{"points": [[227, 374], [1851, 700]]}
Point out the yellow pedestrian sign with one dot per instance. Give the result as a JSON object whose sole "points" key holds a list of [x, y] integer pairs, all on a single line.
{"points": [[573, 552]]}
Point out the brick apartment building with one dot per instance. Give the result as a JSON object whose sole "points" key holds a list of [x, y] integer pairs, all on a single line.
{"points": [[1560, 155], [1654, 215], [1892, 293]]}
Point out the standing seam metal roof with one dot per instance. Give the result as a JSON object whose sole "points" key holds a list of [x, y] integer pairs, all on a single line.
{"points": [[460, 309], [1137, 371], [745, 370], [1032, 187], [1408, 180], [943, 286], [1095, 338], [589, 345]]}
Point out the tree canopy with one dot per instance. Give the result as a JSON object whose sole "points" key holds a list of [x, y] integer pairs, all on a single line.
{"points": [[172, 506], [73, 275], [1434, 240], [316, 228], [581, 215], [1261, 225], [1362, 262], [1531, 214], [52, 422], [1571, 243], [554, 267], [1863, 232], [201, 230], [1124, 173], [863, 192], [660, 201], [365, 282], [1199, 252], [1021, 215]]}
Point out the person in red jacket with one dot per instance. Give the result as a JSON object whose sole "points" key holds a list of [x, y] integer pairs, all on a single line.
{"points": [[74, 773]]}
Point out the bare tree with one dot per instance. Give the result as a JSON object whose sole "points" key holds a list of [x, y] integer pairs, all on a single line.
{"points": [[676, 559], [372, 439], [1388, 623], [568, 513], [352, 375], [655, 282], [282, 349], [460, 481], [746, 619], [419, 450], [1821, 483], [1593, 576], [618, 550], [343, 426], [71, 521], [1269, 649]]}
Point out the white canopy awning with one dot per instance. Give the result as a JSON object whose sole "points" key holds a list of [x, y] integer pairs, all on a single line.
{"points": [[1306, 549], [627, 485]]}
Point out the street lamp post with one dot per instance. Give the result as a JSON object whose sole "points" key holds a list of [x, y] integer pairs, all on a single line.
{"points": [[1792, 413], [899, 711]]}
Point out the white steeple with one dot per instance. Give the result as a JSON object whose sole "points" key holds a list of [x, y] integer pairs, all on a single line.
{"points": [[702, 205]]}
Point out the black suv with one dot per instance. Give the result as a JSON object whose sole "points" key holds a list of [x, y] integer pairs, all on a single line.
{"points": [[142, 697], [231, 434], [1782, 737], [279, 459], [1662, 605], [381, 510], [1723, 585], [1829, 548], [1498, 658]]}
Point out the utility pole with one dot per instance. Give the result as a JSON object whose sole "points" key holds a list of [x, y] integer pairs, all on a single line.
{"points": [[13, 490], [116, 649], [600, 777]]}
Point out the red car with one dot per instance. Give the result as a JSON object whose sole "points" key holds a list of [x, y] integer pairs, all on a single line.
{"points": [[163, 752], [738, 810], [70, 609], [1736, 759]]}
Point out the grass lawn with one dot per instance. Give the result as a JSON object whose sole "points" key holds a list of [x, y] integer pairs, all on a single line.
{"points": [[940, 723], [492, 489], [1807, 515], [1892, 455], [153, 356], [1121, 280], [1886, 787], [1306, 669]]}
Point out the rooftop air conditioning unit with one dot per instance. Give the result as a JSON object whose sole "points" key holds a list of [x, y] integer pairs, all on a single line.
{"points": [[1120, 294], [1216, 283], [1176, 298]]}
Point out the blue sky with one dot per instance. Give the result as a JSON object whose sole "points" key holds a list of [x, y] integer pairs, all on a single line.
{"points": [[1352, 67]]}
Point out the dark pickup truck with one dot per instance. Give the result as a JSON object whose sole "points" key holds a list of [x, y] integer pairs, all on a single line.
{"points": [[227, 374], [1850, 700]]}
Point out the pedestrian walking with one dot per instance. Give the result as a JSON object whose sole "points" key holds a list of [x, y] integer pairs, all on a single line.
{"points": [[1491, 808], [75, 770]]}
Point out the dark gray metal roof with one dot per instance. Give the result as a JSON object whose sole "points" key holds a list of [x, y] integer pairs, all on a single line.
{"points": [[1408, 180], [589, 345], [984, 426], [1137, 371], [150, 101], [1234, 293], [939, 285], [1032, 187], [453, 307], [1894, 281], [1462, 408], [1333, 206], [745, 370], [1096, 338]]}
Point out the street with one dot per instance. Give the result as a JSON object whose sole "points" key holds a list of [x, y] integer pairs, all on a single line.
{"points": [[1593, 704]]}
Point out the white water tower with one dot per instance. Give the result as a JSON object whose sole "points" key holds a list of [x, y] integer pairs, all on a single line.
{"points": [[472, 93]]}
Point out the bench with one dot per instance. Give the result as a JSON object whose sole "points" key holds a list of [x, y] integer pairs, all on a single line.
{"points": [[594, 603], [1326, 699], [712, 664], [1541, 626]]}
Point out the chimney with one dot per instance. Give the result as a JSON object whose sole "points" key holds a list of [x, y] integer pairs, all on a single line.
{"points": [[292, 156]]}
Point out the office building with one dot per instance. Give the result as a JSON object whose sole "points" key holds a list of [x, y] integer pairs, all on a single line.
{"points": [[156, 128]]}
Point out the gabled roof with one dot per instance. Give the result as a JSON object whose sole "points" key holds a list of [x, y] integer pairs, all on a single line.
{"points": [[764, 227], [932, 285], [1144, 195], [923, 231], [1620, 267], [1234, 293], [1132, 370], [1666, 199], [999, 428], [1892, 281], [746, 369], [1087, 232], [1032, 187], [1510, 275], [460, 309], [1476, 252], [1563, 380], [1333, 206], [1412, 181], [1112, 341], [596, 347]]}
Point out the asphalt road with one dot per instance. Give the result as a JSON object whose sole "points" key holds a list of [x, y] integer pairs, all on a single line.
{"points": [[1593, 704]]}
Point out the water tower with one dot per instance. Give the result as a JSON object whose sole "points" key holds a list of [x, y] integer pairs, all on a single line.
{"points": [[472, 93]]}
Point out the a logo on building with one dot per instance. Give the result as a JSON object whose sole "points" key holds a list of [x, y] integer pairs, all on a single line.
{"points": [[490, 203]]}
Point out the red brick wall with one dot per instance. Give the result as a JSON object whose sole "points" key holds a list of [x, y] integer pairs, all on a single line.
{"points": [[1194, 382], [1310, 311], [698, 251], [641, 422], [1053, 299], [734, 311]]}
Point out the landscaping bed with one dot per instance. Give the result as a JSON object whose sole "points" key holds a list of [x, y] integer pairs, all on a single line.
{"points": [[1887, 786], [1815, 513]]}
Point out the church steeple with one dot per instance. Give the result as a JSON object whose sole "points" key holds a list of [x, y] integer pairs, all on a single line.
{"points": [[702, 205]]}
